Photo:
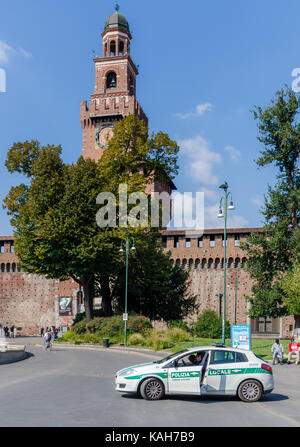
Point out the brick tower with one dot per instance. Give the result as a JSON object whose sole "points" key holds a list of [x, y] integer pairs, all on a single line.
{"points": [[114, 96]]}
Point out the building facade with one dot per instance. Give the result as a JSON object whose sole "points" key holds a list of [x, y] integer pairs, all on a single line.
{"points": [[30, 302]]}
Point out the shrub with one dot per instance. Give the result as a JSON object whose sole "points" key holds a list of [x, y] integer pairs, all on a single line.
{"points": [[209, 325], [177, 335], [81, 316], [179, 324], [112, 326], [67, 336], [135, 339], [138, 324], [158, 339], [91, 338]]}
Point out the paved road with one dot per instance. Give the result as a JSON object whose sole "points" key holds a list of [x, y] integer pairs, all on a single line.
{"points": [[75, 387]]}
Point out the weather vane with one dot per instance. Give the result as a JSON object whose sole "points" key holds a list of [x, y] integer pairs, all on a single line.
{"points": [[117, 7]]}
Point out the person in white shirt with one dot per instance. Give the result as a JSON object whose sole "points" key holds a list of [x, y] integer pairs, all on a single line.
{"points": [[277, 350]]}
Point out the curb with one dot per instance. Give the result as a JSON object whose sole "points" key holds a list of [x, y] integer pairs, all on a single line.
{"points": [[110, 349]]}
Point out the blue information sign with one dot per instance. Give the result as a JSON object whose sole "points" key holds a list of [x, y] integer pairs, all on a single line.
{"points": [[240, 337]]}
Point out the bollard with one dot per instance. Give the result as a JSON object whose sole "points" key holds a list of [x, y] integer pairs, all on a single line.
{"points": [[105, 342]]}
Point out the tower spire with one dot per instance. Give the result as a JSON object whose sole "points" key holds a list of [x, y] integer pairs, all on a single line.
{"points": [[117, 7]]}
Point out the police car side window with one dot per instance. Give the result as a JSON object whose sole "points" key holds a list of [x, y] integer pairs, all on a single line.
{"points": [[220, 357], [241, 357]]}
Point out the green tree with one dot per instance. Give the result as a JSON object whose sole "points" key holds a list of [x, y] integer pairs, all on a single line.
{"points": [[54, 213], [156, 288], [291, 287], [273, 251]]}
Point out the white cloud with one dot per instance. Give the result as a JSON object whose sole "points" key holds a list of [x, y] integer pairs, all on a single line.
{"points": [[258, 201], [200, 160], [210, 194], [234, 153], [7, 50], [212, 221], [25, 53], [200, 110]]}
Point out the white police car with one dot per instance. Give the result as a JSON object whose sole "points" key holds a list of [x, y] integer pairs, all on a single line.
{"points": [[222, 371]]}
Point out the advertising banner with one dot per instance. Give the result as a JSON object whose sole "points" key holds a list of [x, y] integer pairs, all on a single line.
{"points": [[65, 306], [240, 337]]}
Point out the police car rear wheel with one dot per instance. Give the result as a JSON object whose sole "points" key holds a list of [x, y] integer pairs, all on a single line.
{"points": [[250, 391], [152, 389]]}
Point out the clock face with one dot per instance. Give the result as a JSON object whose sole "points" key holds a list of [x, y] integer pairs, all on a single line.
{"points": [[104, 134]]}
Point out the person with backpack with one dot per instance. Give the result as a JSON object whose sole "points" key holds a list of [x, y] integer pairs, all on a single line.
{"points": [[47, 338]]}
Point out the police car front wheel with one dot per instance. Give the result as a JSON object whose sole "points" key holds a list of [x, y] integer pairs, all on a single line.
{"points": [[250, 391], [152, 389]]}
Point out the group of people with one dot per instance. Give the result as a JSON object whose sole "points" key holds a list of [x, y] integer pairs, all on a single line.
{"points": [[52, 330], [10, 332], [277, 350]]}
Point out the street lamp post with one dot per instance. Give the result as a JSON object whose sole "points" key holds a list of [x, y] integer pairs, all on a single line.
{"points": [[129, 240], [231, 207]]}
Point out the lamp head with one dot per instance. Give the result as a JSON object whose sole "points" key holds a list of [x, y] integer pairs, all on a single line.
{"points": [[220, 215], [231, 206], [224, 186]]}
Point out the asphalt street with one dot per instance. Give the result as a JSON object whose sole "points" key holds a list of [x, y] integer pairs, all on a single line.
{"points": [[75, 388]]}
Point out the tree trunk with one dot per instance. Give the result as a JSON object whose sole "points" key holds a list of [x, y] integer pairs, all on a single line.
{"points": [[106, 296], [88, 292]]}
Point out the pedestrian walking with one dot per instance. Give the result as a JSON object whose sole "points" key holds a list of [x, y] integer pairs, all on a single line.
{"points": [[293, 350], [277, 350], [11, 332], [42, 332], [15, 332], [47, 339]]}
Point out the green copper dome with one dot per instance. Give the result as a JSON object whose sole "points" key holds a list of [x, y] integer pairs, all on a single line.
{"points": [[116, 20]]}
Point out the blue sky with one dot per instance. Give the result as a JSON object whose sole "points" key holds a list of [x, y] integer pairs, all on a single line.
{"points": [[203, 66]]}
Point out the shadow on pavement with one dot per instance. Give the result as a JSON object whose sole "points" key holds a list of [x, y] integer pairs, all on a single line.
{"points": [[272, 397]]}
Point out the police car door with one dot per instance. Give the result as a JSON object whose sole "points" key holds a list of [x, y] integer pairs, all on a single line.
{"points": [[184, 377], [220, 375]]}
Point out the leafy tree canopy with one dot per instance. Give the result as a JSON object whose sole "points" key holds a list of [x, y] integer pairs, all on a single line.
{"points": [[54, 215], [273, 251]]}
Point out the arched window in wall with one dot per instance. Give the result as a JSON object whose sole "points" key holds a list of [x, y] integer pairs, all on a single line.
{"points": [[210, 263], [217, 263], [14, 267], [8, 268], [244, 260], [237, 263], [111, 80], [230, 262], [112, 51], [2, 268]]}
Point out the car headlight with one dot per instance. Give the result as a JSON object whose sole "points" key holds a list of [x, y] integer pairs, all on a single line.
{"points": [[128, 372]]}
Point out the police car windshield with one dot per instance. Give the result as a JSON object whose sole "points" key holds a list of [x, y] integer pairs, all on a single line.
{"points": [[170, 357]]}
